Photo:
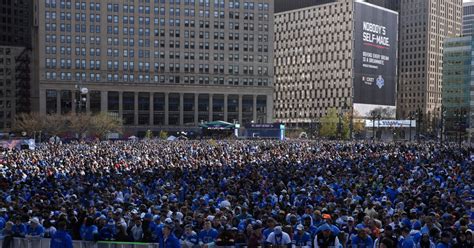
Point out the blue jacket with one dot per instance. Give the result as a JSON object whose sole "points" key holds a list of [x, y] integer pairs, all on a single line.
{"points": [[172, 242], [88, 233], [107, 232], [193, 238], [407, 243], [302, 240], [208, 236], [19, 229], [38, 231], [61, 239], [357, 242]]}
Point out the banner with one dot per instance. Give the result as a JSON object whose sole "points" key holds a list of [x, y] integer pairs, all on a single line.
{"points": [[375, 54]]}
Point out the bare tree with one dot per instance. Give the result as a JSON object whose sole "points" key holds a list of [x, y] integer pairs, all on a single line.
{"points": [[103, 123], [29, 123]]}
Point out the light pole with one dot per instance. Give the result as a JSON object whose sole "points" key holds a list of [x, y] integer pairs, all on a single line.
{"points": [[375, 116], [411, 120], [460, 113], [82, 95]]}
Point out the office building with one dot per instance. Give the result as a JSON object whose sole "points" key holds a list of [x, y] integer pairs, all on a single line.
{"points": [[458, 87], [468, 18], [14, 95], [15, 55], [15, 23], [389, 4], [424, 25], [341, 54], [157, 64]]}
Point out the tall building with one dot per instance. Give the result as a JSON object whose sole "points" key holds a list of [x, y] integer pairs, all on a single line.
{"points": [[157, 64], [339, 55], [424, 24], [458, 90], [468, 18], [15, 54], [389, 4], [14, 73], [15, 23]]}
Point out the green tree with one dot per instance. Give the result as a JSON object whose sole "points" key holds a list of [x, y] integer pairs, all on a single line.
{"points": [[149, 134], [329, 124], [163, 135]]}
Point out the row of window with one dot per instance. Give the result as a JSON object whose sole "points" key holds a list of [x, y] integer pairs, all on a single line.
{"points": [[114, 77]]}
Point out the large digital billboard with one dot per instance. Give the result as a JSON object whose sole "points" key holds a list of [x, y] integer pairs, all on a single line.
{"points": [[375, 55]]}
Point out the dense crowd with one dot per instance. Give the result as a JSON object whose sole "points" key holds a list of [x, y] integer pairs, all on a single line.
{"points": [[247, 193]]}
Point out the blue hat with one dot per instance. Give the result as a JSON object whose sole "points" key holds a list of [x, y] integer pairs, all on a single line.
{"points": [[148, 216], [416, 225], [325, 227]]}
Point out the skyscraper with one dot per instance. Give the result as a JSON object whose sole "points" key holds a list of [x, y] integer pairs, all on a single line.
{"points": [[424, 25], [157, 64], [339, 55], [468, 18], [15, 23]]}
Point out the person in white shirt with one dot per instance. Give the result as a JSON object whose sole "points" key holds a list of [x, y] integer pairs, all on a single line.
{"points": [[278, 237]]}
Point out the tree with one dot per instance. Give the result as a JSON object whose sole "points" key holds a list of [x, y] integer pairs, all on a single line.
{"points": [[29, 123], [329, 124], [103, 123], [385, 113], [163, 135], [149, 134], [80, 123], [55, 125]]}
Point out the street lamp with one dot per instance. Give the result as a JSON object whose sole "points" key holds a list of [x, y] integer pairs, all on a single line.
{"points": [[375, 116], [82, 95], [342, 110], [411, 120]]}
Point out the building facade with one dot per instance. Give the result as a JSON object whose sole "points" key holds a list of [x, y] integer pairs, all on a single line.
{"points": [[322, 60], [389, 4], [424, 24], [157, 64], [458, 87], [14, 73], [15, 23], [468, 18]]}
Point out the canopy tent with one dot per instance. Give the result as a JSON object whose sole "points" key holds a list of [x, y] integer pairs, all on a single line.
{"points": [[217, 125]]}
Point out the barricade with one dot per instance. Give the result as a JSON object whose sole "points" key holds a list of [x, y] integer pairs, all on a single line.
{"points": [[45, 243]]}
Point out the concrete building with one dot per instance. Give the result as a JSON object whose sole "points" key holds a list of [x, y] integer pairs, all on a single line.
{"points": [[468, 18], [14, 73], [458, 87], [318, 60], [157, 64], [15, 23], [389, 4], [424, 24]]}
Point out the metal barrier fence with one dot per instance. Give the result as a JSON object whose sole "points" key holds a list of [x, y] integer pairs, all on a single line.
{"points": [[45, 243]]}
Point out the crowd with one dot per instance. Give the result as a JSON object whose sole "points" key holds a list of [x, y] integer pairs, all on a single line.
{"points": [[240, 193]]}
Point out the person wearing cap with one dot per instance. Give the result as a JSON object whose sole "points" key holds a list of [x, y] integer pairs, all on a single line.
{"points": [[301, 238], [326, 238], [169, 239], [61, 239], [189, 239], [362, 239], [7, 234], [388, 238], [35, 229], [278, 237], [208, 235], [137, 230]]}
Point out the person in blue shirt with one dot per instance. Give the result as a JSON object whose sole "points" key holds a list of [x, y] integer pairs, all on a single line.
{"points": [[35, 229], [407, 240], [108, 231], [301, 238], [189, 237], [89, 231], [444, 242], [208, 235], [169, 239], [19, 229], [271, 225], [61, 239], [362, 240]]}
